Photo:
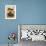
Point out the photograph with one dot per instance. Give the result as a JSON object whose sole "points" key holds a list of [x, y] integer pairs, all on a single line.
{"points": [[32, 32], [10, 11]]}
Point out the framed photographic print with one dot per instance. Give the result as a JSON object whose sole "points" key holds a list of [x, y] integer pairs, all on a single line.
{"points": [[33, 32], [10, 11]]}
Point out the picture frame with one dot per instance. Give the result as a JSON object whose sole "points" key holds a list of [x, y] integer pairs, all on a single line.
{"points": [[36, 32], [10, 11]]}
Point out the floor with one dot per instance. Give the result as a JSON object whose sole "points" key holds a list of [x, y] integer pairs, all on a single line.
{"points": [[7, 45], [32, 43], [28, 43]]}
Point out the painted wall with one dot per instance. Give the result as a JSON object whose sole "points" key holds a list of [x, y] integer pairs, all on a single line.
{"points": [[27, 12]]}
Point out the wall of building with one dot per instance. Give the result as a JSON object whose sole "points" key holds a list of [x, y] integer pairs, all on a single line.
{"points": [[27, 12]]}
